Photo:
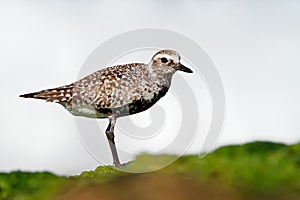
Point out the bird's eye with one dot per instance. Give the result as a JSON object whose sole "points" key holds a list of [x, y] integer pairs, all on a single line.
{"points": [[164, 60]]}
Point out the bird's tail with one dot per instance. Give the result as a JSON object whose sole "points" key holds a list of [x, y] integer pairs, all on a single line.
{"points": [[60, 94]]}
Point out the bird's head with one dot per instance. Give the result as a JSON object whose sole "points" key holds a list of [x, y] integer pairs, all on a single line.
{"points": [[168, 61]]}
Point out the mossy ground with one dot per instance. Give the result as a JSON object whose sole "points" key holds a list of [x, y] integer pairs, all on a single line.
{"points": [[260, 170]]}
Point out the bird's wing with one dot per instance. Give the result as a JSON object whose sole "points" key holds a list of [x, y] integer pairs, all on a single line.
{"points": [[110, 87], [107, 88]]}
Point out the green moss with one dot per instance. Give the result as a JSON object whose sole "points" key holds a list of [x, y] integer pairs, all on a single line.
{"points": [[256, 169], [24, 185]]}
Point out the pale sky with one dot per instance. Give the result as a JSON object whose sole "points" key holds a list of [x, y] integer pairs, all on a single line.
{"points": [[254, 45]]}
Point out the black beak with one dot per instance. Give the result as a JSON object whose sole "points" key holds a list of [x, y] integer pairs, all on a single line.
{"points": [[183, 68]]}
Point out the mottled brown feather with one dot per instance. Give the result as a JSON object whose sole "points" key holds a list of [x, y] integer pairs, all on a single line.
{"points": [[115, 87]]}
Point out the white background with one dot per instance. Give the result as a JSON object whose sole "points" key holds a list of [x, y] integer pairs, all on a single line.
{"points": [[255, 47]]}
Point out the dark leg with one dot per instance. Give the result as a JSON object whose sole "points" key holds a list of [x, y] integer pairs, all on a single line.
{"points": [[111, 140]]}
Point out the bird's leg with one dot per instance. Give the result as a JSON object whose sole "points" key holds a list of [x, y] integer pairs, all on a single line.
{"points": [[111, 140]]}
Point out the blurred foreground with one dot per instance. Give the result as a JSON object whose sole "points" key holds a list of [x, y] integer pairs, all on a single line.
{"points": [[259, 170]]}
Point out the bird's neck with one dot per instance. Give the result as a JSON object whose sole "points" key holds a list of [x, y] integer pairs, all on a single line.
{"points": [[159, 74]]}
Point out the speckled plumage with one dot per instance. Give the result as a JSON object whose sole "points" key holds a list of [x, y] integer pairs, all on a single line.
{"points": [[119, 90]]}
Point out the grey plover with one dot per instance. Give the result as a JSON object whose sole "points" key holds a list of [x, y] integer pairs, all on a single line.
{"points": [[117, 91]]}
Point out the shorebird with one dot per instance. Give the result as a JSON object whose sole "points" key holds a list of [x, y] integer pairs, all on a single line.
{"points": [[117, 91]]}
